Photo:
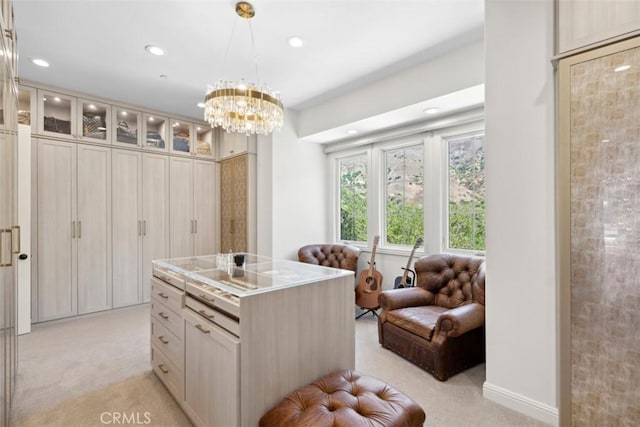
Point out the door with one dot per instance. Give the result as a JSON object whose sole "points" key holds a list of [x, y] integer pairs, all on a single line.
{"points": [[204, 205], [56, 290], [599, 234], [211, 373], [24, 219], [127, 227], [155, 215], [233, 204], [181, 209], [94, 228]]}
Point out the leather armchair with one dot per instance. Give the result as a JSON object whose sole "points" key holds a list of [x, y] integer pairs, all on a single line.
{"points": [[439, 323], [331, 255]]}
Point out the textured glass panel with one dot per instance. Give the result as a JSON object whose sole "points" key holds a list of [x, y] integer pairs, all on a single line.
{"points": [[605, 240]]}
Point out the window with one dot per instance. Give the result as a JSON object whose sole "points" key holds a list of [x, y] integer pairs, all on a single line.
{"points": [[466, 193], [404, 184], [353, 198]]}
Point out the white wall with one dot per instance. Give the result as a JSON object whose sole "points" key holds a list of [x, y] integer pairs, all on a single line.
{"points": [[264, 190], [450, 72], [300, 172], [521, 318]]}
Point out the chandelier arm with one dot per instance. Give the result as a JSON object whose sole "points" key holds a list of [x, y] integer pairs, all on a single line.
{"points": [[255, 56]]}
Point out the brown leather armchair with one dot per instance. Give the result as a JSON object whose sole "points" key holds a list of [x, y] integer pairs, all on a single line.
{"points": [[439, 323], [331, 255]]}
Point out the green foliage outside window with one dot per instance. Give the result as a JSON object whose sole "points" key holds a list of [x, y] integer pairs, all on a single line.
{"points": [[353, 200], [467, 193]]}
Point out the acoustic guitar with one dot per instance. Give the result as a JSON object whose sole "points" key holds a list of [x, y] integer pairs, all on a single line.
{"points": [[371, 279], [404, 281]]}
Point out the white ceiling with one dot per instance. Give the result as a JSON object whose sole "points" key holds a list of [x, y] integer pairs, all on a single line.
{"points": [[97, 46]]}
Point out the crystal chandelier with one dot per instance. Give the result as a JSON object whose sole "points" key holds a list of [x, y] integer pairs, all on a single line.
{"points": [[244, 107]]}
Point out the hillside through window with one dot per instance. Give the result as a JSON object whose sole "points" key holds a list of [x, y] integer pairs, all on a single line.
{"points": [[353, 199]]}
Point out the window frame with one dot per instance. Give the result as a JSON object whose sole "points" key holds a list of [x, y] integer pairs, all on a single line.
{"points": [[436, 186]]}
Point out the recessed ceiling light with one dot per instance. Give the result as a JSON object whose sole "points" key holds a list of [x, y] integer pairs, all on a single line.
{"points": [[151, 119], [431, 110], [201, 104], [57, 99], [198, 128], [40, 62], [622, 68], [123, 113], [295, 41], [352, 131], [154, 50], [92, 107]]}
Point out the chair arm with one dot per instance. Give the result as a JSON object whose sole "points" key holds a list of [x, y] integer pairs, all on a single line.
{"points": [[404, 297], [460, 320]]}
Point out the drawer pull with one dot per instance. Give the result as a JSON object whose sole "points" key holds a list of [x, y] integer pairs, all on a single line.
{"points": [[207, 298], [164, 316], [203, 330], [204, 313], [163, 340], [162, 295], [162, 368]]}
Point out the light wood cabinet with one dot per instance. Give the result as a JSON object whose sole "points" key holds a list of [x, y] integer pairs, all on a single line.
{"points": [[586, 22], [234, 144], [192, 208], [74, 229], [140, 228], [212, 376]]}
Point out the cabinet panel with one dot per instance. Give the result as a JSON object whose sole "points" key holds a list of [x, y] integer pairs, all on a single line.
{"points": [[56, 230], [204, 207], [94, 228], [155, 215], [126, 125], [94, 119], [57, 114], [233, 204], [180, 211], [211, 373], [181, 137], [127, 227], [204, 141], [155, 132]]}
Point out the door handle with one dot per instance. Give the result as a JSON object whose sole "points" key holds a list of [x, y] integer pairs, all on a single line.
{"points": [[163, 340], [163, 369], [16, 227], [79, 229], [203, 330], [139, 228], [10, 263], [164, 316], [195, 221], [73, 229]]}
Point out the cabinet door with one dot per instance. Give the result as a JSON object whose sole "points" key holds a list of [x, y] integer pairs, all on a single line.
{"points": [[57, 114], [233, 204], [155, 215], [204, 207], [94, 121], [155, 132], [203, 146], [94, 228], [181, 207], [232, 144], [127, 227], [211, 373], [57, 290], [127, 125], [181, 137]]}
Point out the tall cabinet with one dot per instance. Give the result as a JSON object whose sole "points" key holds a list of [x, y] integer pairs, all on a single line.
{"points": [[9, 227], [74, 229], [192, 209], [238, 204], [140, 228]]}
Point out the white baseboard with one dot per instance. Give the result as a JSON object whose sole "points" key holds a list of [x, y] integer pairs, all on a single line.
{"points": [[539, 411]]}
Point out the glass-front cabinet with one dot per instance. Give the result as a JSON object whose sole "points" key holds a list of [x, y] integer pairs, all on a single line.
{"points": [[204, 141], [26, 99], [57, 114], [126, 123], [94, 118], [181, 136], [155, 132]]}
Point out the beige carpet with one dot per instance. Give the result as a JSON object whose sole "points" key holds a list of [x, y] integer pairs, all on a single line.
{"points": [[94, 371]]}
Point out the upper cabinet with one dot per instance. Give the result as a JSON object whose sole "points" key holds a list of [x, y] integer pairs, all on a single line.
{"points": [[58, 115], [233, 144], [64, 116], [155, 132], [588, 22], [94, 118], [126, 125]]}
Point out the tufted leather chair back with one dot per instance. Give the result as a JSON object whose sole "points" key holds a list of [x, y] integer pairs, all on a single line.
{"points": [[328, 255], [453, 280]]}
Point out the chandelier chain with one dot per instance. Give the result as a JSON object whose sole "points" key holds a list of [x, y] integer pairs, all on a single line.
{"points": [[255, 56], [226, 52]]}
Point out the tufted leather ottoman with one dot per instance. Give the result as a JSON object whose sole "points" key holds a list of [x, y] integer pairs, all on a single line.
{"points": [[345, 399]]}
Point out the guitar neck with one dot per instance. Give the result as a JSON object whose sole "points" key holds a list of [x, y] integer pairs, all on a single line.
{"points": [[372, 262]]}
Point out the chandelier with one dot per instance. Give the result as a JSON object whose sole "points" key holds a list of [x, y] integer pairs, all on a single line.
{"points": [[242, 107]]}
